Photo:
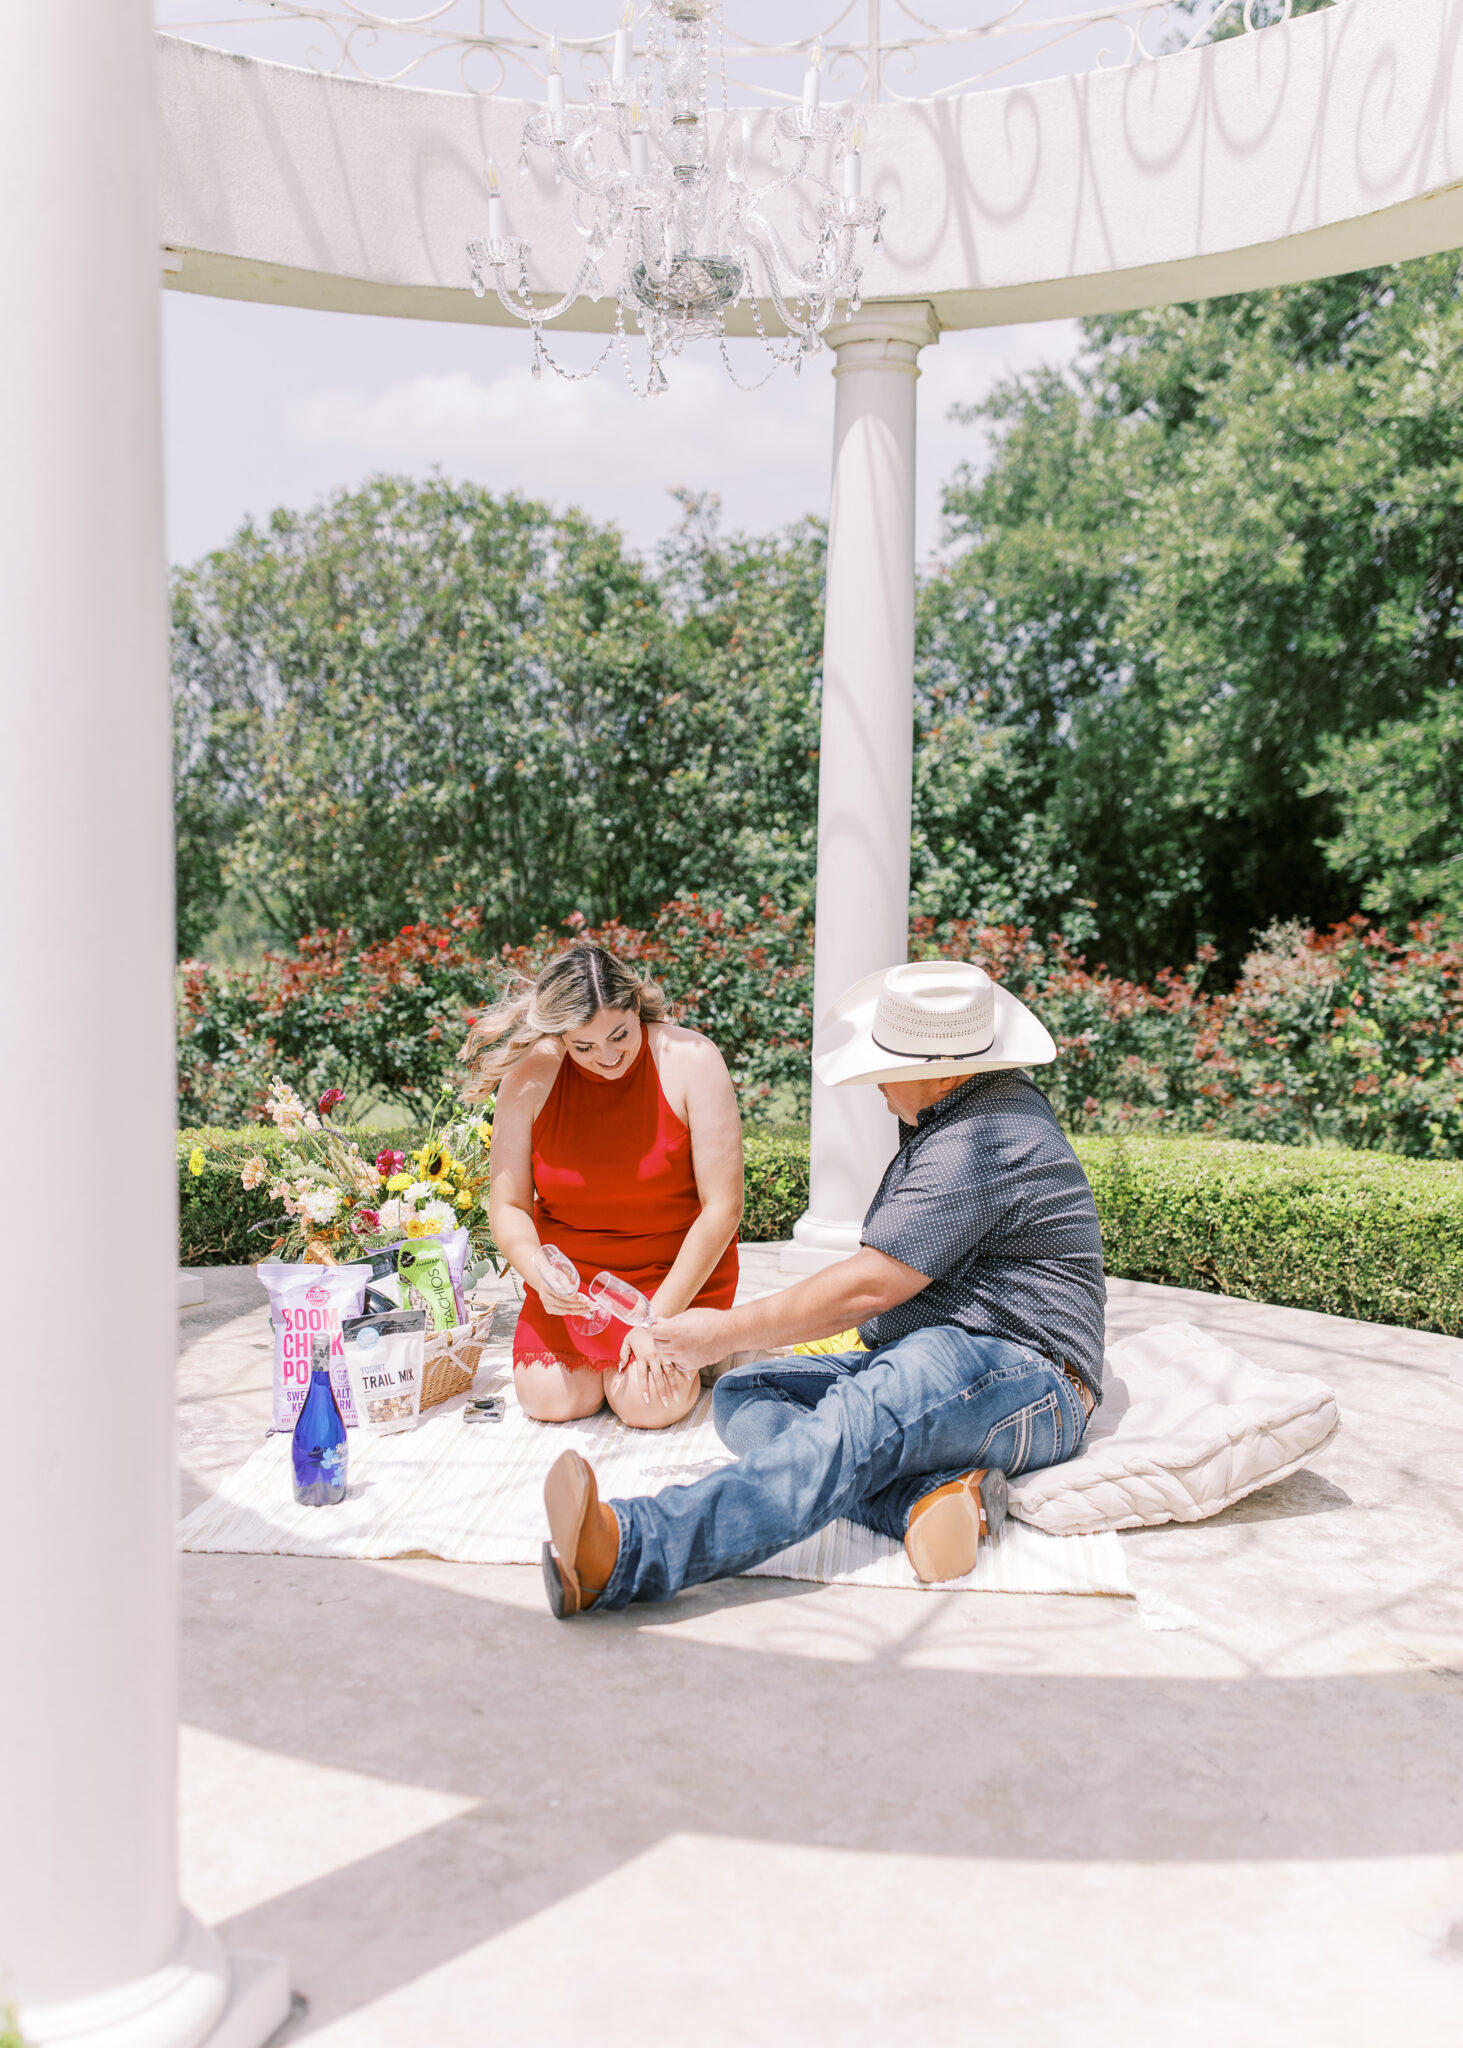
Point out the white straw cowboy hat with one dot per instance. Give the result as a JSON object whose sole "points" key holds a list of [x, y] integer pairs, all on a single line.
{"points": [[929, 1018]]}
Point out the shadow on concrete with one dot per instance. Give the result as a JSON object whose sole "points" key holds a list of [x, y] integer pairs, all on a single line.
{"points": [[855, 1748]]}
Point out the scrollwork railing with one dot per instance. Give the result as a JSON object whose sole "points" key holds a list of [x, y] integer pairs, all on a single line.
{"points": [[873, 49]]}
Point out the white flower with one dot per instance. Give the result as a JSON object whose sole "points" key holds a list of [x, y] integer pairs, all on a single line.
{"points": [[438, 1216], [321, 1205], [419, 1191], [284, 1107], [390, 1215]]}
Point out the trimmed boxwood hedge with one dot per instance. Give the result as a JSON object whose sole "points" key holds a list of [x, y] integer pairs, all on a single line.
{"points": [[1364, 1234], [215, 1213]]}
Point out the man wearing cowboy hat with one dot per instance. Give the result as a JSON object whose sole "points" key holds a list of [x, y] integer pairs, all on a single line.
{"points": [[978, 1293]]}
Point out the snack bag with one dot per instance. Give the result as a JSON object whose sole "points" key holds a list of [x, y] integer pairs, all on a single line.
{"points": [[382, 1266], [455, 1249], [427, 1281], [305, 1302], [384, 1355]]}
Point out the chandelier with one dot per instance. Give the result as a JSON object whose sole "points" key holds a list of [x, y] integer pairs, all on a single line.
{"points": [[680, 225]]}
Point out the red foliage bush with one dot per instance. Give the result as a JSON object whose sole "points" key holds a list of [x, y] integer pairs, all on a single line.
{"points": [[1348, 1036]]}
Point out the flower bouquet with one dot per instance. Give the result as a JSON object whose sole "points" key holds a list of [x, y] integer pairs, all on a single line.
{"points": [[338, 1202]]}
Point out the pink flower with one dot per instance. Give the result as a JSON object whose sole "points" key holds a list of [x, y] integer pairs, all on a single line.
{"points": [[364, 1221], [388, 1163], [329, 1099]]}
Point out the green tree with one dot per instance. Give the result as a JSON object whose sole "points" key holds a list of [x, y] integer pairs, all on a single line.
{"points": [[1229, 538], [418, 699], [1398, 792]]}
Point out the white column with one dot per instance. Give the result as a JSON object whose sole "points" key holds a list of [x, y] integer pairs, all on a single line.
{"points": [[865, 765], [94, 1947]]}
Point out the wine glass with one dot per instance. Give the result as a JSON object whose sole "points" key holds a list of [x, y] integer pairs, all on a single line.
{"points": [[624, 1302], [561, 1276]]}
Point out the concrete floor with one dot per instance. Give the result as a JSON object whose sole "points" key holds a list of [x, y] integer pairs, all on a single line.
{"points": [[778, 1813]]}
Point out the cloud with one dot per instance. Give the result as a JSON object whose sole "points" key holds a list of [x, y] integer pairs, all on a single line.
{"points": [[594, 443]]}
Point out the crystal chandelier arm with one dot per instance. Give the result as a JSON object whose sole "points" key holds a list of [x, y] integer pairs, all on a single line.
{"points": [[483, 259]]}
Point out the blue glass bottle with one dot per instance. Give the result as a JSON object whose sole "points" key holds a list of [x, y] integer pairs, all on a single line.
{"points": [[318, 1449]]}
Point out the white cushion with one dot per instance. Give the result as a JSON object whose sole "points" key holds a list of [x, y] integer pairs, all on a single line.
{"points": [[1185, 1427]]}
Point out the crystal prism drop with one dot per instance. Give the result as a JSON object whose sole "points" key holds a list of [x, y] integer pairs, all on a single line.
{"points": [[657, 380], [855, 304], [775, 156], [537, 368], [523, 165]]}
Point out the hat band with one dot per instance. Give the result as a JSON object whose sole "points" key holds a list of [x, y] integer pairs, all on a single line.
{"points": [[967, 1053]]}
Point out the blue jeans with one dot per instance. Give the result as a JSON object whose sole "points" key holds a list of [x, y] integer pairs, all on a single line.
{"points": [[859, 1433]]}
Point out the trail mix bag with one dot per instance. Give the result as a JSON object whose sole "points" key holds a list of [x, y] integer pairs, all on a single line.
{"points": [[306, 1302], [431, 1271], [385, 1356]]}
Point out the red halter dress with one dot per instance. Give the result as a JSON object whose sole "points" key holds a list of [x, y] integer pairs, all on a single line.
{"points": [[615, 1190]]}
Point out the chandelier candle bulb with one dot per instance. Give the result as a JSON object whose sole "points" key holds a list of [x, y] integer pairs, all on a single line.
{"points": [[813, 81], [497, 218], [556, 85], [620, 69], [853, 165], [639, 144]]}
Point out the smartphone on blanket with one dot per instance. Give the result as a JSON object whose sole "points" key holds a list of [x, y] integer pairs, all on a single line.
{"points": [[484, 1408]]}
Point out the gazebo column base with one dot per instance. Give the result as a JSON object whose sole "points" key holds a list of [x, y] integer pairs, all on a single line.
{"points": [[201, 1998], [866, 759]]}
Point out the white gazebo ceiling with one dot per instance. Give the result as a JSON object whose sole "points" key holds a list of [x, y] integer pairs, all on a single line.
{"points": [[1317, 146]]}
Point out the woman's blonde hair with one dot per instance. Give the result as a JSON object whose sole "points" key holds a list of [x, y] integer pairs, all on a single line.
{"points": [[567, 993]]}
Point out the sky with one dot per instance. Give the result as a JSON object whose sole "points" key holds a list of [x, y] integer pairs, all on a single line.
{"points": [[271, 405]]}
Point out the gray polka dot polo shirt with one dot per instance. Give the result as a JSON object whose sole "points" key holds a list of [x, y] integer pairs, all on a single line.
{"points": [[987, 1197]]}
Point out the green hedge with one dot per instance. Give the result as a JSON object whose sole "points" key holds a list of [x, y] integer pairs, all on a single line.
{"points": [[214, 1212], [1364, 1234]]}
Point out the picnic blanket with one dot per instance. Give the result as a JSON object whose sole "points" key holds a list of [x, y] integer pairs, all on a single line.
{"points": [[474, 1494]]}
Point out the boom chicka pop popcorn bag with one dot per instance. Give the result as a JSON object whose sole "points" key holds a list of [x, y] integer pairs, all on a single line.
{"points": [[305, 1302]]}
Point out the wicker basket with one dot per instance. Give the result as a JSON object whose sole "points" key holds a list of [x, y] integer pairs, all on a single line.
{"points": [[452, 1359]]}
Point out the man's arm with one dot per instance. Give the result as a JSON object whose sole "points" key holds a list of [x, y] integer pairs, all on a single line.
{"points": [[819, 1306]]}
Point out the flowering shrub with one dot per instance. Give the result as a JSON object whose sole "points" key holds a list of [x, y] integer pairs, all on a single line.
{"points": [[743, 976], [385, 1021], [388, 1020], [1344, 1037]]}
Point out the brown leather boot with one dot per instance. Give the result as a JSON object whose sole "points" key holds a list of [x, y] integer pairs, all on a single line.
{"points": [[583, 1533], [946, 1526]]}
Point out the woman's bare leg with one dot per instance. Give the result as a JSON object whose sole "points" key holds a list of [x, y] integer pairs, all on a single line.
{"points": [[623, 1390], [558, 1393]]}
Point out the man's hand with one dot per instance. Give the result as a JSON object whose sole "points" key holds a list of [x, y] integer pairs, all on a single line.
{"points": [[696, 1337]]}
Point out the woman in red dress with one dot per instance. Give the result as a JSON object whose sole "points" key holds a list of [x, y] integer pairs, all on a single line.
{"points": [[616, 1137]]}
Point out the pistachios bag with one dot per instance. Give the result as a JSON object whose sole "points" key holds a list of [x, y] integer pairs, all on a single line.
{"points": [[308, 1301], [431, 1272]]}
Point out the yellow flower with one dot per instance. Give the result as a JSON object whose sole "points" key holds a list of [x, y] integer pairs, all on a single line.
{"points": [[459, 1171], [196, 1161], [465, 1199], [398, 1181], [484, 1133], [415, 1227]]}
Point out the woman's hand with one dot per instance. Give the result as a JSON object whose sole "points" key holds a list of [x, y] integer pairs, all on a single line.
{"points": [[558, 1304], [650, 1375]]}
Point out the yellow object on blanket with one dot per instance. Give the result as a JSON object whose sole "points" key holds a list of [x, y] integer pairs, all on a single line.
{"points": [[846, 1340]]}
